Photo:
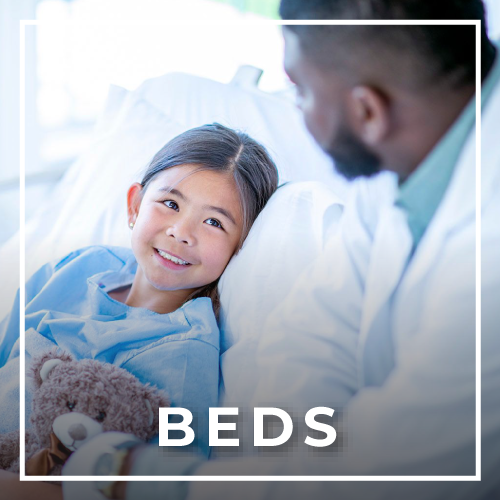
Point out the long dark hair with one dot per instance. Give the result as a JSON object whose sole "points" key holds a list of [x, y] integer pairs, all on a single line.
{"points": [[219, 148]]}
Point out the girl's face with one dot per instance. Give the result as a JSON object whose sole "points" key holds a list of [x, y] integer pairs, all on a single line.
{"points": [[187, 226]]}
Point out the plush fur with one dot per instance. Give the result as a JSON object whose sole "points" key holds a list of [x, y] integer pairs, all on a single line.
{"points": [[93, 392]]}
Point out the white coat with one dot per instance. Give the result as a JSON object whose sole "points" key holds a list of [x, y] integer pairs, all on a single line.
{"points": [[393, 343]]}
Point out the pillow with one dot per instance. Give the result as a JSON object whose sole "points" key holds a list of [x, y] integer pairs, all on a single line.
{"points": [[288, 235], [117, 98], [273, 121]]}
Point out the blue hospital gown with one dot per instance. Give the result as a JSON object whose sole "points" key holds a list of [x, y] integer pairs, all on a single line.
{"points": [[67, 305]]}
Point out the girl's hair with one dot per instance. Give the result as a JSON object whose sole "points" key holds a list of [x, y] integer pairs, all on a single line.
{"points": [[219, 148]]}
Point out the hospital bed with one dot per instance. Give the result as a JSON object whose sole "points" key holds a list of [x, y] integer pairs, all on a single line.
{"points": [[88, 205]]}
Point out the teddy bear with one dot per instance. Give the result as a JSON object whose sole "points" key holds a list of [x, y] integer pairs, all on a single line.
{"points": [[75, 400]]}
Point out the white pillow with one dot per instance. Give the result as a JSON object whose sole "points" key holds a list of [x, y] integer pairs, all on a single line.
{"points": [[273, 121], [288, 235]]}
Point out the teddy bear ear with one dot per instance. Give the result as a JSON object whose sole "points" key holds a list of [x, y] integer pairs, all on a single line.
{"points": [[44, 364], [48, 366], [150, 412]]}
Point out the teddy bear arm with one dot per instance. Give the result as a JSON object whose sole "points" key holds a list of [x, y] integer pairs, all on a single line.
{"points": [[9, 449]]}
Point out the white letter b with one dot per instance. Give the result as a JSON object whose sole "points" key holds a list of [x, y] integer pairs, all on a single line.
{"points": [[166, 426]]}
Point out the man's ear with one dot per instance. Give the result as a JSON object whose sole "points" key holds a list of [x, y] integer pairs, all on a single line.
{"points": [[134, 198], [370, 114]]}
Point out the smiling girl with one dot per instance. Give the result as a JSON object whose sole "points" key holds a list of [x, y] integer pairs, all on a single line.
{"points": [[152, 309]]}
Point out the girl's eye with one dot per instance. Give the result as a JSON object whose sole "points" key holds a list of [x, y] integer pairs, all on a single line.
{"points": [[101, 416], [214, 222], [171, 204], [71, 405]]}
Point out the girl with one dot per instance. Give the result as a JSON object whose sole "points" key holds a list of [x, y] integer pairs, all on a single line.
{"points": [[152, 309]]}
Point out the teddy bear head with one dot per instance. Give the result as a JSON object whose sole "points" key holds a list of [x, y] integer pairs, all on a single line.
{"points": [[76, 400]]}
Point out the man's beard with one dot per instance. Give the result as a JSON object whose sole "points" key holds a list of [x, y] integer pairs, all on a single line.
{"points": [[351, 157]]}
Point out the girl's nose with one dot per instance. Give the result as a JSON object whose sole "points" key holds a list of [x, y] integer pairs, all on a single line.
{"points": [[182, 232]]}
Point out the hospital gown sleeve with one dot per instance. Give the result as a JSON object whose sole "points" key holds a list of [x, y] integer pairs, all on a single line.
{"points": [[9, 327]]}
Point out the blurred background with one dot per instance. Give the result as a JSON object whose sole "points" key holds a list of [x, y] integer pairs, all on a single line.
{"points": [[69, 69]]}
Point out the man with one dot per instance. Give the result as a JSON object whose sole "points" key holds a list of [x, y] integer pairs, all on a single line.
{"points": [[385, 320]]}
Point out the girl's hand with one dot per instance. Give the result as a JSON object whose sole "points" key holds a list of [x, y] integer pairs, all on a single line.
{"points": [[14, 489]]}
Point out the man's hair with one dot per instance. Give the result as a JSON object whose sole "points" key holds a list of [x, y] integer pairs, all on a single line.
{"points": [[445, 53]]}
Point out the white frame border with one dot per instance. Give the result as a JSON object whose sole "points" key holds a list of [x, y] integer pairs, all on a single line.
{"points": [[22, 270]]}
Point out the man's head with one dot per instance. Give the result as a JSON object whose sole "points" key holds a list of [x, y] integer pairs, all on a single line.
{"points": [[380, 97]]}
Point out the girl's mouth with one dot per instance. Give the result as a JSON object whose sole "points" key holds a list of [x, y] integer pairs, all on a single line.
{"points": [[171, 260]]}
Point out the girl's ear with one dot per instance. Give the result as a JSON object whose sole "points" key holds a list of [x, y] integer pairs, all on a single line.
{"points": [[134, 197]]}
